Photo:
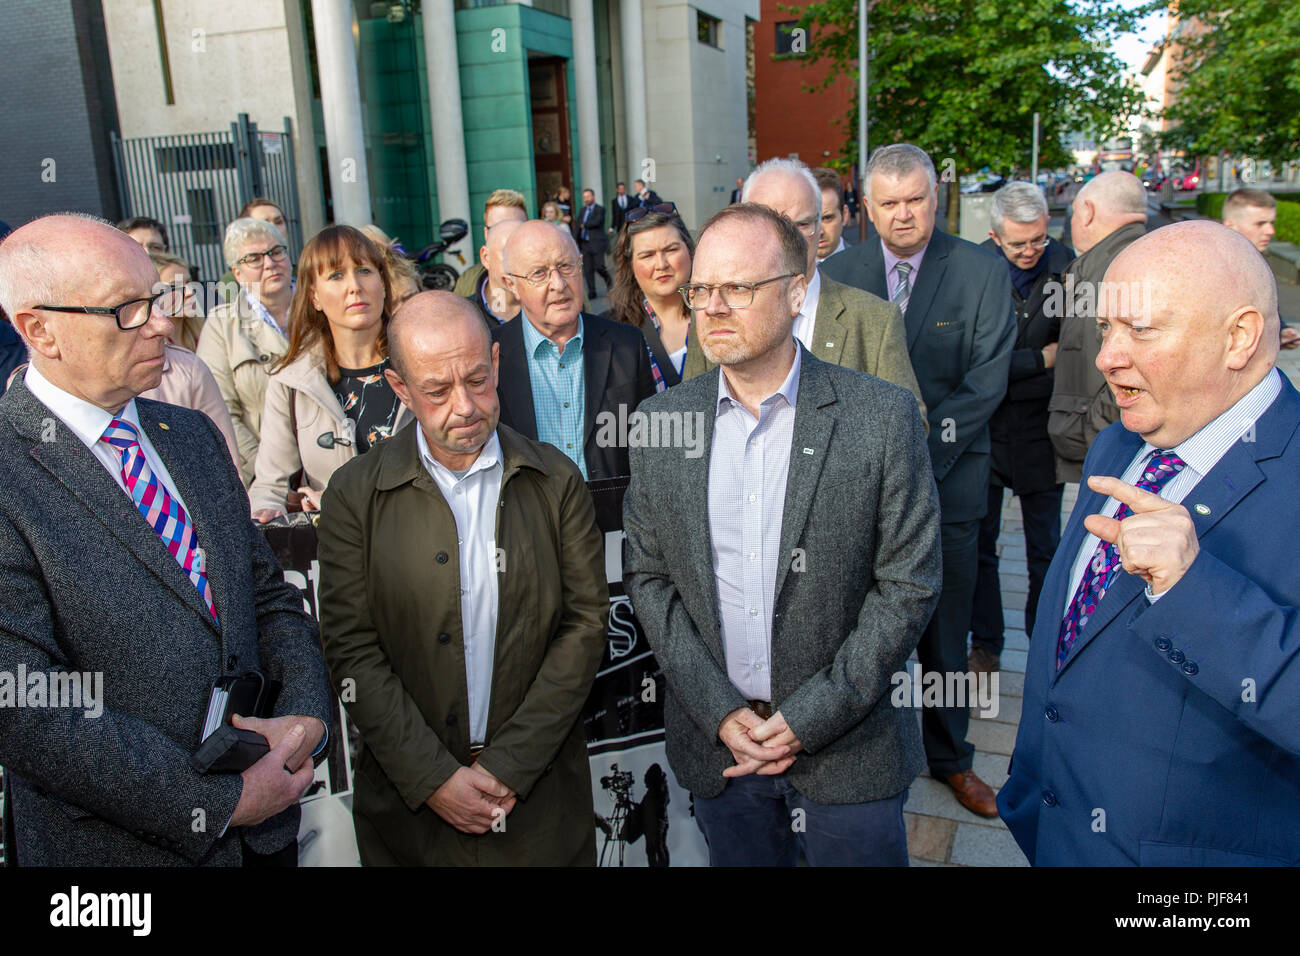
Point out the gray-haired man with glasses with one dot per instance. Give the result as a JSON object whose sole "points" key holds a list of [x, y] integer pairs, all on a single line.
{"points": [[564, 371], [1021, 457], [785, 576]]}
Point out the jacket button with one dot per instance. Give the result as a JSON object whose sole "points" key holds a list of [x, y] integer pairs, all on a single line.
{"points": [[1049, 798], [1177, 656], [1163, 643], [441, 557], [264, 358], [1052, 714], [451, 720], [1190, 668], [444, 638]]}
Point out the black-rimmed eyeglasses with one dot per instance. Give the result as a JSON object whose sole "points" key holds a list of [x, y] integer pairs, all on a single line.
{"points": [[254, 259], [134, 312]]}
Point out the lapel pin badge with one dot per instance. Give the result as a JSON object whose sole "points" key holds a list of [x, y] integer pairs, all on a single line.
{"points": [[807, 451], [1202, 509], [830, 345], [164, 426]]}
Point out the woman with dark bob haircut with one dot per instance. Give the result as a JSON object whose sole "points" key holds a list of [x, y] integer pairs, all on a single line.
{"points": [[327, 400], [652, 260]]}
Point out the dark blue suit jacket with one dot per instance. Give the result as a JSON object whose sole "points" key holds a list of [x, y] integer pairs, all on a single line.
{"points": [[960, 332], [1171, 737]]}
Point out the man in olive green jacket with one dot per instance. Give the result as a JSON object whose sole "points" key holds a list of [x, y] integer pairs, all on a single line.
{"points": [[838, 324], [463, 605]]}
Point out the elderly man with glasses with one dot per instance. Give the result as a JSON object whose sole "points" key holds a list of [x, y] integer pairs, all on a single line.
{"points": [[133, 576], [784, 576], [562, 368], [243, 338], [1022, 457]]}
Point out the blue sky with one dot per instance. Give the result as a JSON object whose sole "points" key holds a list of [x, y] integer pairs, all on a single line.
{"points": [[1133, 47]]}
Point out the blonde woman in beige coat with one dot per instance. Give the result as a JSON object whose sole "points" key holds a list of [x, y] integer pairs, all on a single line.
{"points": [[243, 338], [328, 400]]}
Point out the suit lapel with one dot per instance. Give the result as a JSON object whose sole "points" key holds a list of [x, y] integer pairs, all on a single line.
{"points": [[813, 426], [61, 453], [596, 358], [515, 388], [928, 279], [1125, 587], [828, 332], [693, 500], [873, 261], [1214, 496]]}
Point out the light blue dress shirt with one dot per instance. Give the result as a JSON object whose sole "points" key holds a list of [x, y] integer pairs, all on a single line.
{"points": [[559, 391]]}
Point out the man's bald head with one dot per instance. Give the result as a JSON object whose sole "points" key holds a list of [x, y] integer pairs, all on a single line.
{"points": [[445, 371], [531, 234], [493, 255], [70, 262], [46, 260], [1190, 324], [1105, 203], [427, 321]]}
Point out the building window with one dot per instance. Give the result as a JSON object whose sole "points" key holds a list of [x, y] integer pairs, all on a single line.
{"points": [[785, 37], [709, 29]]}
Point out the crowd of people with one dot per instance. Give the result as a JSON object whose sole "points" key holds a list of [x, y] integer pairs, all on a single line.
{"points": [[864, 407]]}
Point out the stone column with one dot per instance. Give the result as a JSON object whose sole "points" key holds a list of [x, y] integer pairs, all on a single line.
{"points": [[584, 75], [340, 93], [442, 64], [634, 88]]}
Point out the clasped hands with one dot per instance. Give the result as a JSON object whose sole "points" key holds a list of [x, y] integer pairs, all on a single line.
{"points": [[1157, 541], [472, 800], [757, 745]]}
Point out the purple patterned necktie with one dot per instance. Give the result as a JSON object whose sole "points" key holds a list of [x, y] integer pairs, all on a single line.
{"points": [[163, 512], [1101, 569]]}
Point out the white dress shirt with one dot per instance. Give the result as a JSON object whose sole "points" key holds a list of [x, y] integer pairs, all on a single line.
{"points": [[472, 496], [88, 422], [748, 467], [1201, 452], [807, 317]]}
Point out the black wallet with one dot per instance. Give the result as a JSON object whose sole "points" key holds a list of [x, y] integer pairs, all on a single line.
{"points": [[226, 748]]}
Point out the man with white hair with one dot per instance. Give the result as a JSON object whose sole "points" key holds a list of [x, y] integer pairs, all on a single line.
{"points": [[956, 303], [1108, 214], [839, 324], [1022, 457], [1161, 721]]}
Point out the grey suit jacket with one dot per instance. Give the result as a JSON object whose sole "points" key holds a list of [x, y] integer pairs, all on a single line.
{"points": [[861, 533], [88, 586]]}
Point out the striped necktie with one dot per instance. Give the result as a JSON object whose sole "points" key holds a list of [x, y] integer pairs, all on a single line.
{"points": [[903, 291], [1105, 562], [163, 512]]}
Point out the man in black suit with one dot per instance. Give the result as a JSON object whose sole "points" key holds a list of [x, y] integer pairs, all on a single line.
{"points": [[619, 204], [127, 556], [546, 393], [956, 304], [1022, 451], [739, 191], [592, 242], [645, 196]]}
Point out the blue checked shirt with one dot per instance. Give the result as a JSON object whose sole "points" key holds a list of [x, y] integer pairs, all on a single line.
{"points": [[559, 391]]}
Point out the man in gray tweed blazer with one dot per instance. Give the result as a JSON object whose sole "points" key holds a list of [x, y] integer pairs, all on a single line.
{"points": [[111, 644], [783, 577]]}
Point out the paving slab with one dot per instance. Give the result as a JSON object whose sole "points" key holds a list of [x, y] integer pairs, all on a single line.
{"points": [[986, 846]]}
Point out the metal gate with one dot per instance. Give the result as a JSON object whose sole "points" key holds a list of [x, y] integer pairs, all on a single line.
{"points": [[195, 184]]}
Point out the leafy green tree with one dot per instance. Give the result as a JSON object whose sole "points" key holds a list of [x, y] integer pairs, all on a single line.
{"points": [[962, 79], [1239, 71]]}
